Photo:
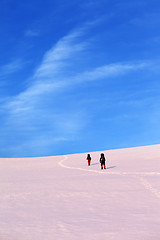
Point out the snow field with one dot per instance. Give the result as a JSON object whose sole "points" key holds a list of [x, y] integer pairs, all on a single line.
{"points": [[62, 198]]}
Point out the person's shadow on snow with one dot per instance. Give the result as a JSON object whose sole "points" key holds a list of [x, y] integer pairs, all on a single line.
{"points": [[111, 167], [106, 168]]}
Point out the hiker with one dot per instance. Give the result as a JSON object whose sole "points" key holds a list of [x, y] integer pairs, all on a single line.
{"points": [[88, 159], [102, 161]]}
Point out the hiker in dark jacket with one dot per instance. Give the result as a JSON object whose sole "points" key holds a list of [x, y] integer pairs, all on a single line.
{"points": [[102, 161], [88, 159]]}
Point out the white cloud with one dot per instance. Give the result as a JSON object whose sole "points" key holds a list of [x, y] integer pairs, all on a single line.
{"points": [[109, 70], [10, 68], [52, 76], [32, 33], [59, 56], [29, 115]]}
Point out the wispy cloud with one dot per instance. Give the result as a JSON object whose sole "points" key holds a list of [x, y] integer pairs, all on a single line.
{"points": [[39, 111], [32, 33], [11, 67], [110, 70], [60, 55], [53, 74]]}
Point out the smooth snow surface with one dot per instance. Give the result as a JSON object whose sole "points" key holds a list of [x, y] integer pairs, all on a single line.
{"points": [[62, 198]]}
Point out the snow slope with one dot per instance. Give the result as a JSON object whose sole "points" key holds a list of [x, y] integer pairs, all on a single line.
{"points": [[62, 198]]}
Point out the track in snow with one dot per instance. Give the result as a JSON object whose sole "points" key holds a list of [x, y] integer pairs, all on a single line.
{"points": [[138, 175]]}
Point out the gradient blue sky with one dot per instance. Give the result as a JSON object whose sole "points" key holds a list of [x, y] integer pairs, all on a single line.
{"points": [[78, 76]]}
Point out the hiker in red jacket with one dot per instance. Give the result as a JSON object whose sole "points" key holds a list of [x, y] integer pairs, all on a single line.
{"points": [[88, 159]]}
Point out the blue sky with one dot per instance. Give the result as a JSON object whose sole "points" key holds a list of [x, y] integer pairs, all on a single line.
{"points": [[78, 76]]}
